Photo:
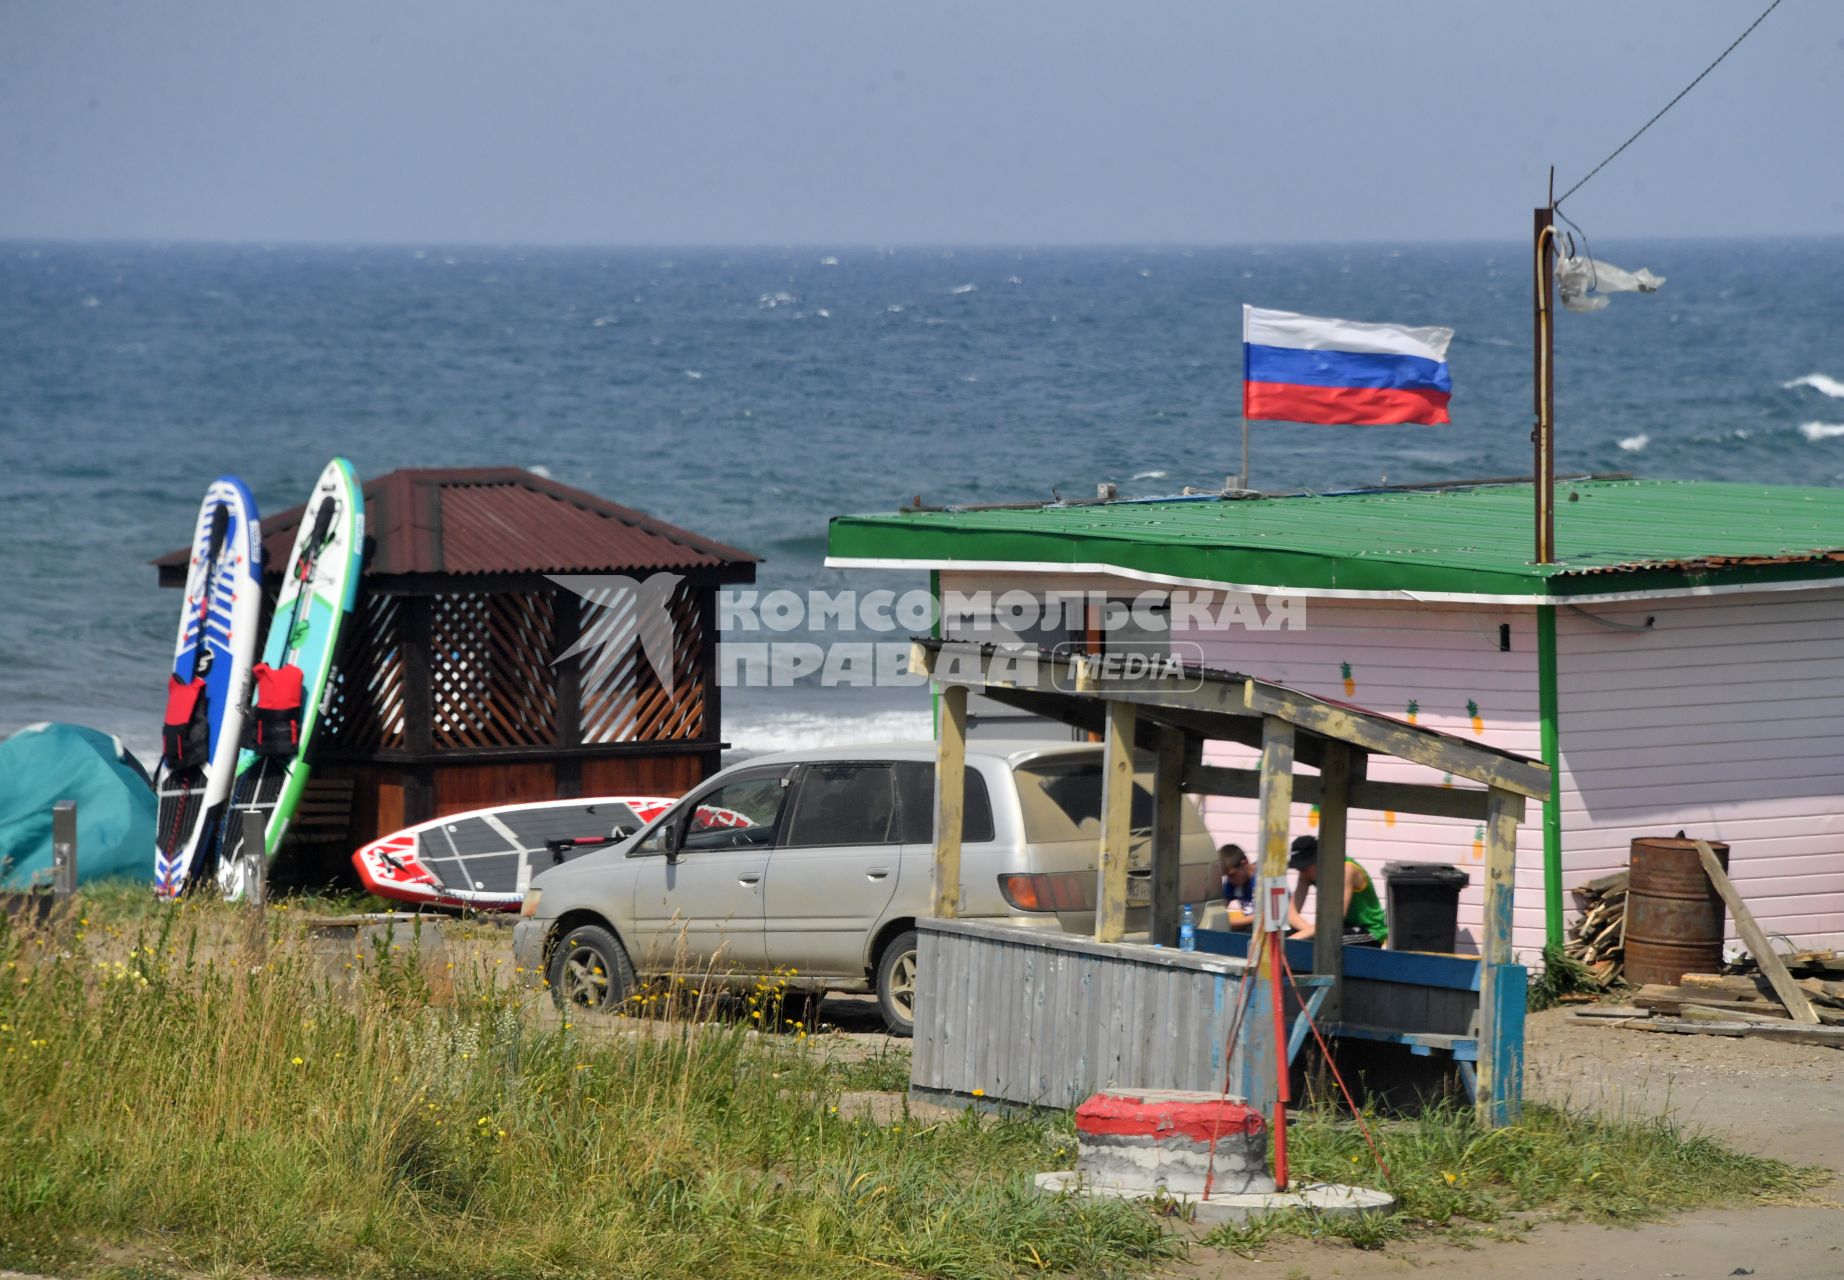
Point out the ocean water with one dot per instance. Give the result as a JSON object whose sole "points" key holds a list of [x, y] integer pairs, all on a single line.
{"points": [[751, 394]]}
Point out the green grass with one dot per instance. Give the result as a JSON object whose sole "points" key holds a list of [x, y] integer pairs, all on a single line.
{"points": [[165, 1082], [180, 1096], [1448, 1172], [1560, 978]]}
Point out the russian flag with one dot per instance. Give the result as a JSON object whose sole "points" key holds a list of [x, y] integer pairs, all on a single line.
{"points": [[1310, 369]]}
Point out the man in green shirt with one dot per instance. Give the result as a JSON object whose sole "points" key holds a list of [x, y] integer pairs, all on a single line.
{"points": [[1365, 923]]}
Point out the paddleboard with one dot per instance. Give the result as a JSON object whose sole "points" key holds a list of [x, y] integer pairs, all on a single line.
{"points": [[319, 588], [483, 859], [208, 688]]}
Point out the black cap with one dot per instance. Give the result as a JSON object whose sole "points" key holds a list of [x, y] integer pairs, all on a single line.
{"points": [[1305, 853]]}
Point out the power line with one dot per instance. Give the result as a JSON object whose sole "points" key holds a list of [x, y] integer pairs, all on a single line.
{"points": [[1661, 111]]}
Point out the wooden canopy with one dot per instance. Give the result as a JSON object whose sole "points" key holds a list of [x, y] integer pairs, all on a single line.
{"points": [[1171, 711]]}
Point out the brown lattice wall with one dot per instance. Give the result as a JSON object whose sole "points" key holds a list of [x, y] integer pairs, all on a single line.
{"points": [[621, 699], [367, 710], [491, 682]]}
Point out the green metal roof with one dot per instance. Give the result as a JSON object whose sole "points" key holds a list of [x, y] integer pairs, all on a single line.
{"points": [[1612, 536]]}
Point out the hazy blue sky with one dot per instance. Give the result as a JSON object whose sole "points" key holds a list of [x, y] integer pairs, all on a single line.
{"points": [[712, 121]]}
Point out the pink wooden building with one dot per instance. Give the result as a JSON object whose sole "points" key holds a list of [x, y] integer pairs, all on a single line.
{"points": [[1680, 666]]}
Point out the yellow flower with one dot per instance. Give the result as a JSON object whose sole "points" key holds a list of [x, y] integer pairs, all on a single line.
{"points": [[979, 1093], [502, 1133], [482, 1120], [1451, 1178], [297, 1062]]}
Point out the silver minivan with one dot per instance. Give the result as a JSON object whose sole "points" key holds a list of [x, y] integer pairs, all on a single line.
{"points": [[813, 866]]}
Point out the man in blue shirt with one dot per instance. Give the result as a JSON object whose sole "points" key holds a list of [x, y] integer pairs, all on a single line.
{"points": [[1238, 885]]}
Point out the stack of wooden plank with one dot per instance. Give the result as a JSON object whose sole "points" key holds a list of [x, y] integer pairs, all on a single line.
{"points": [[1794, 997], [1597, 938], [1728, 1004]]}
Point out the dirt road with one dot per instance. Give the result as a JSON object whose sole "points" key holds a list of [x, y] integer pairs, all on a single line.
{"points": [[1781, 1100]]}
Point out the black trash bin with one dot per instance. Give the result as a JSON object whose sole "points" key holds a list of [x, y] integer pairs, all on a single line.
{"points": [[1424, 905]]}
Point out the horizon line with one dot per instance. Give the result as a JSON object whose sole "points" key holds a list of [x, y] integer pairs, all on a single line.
{"points": [[859, 246]]}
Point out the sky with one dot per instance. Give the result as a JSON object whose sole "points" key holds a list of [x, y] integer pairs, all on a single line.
{"points": [[689, 122]]}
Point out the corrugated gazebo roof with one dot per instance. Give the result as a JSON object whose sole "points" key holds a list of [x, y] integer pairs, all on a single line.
{"points": [[497, 520]]}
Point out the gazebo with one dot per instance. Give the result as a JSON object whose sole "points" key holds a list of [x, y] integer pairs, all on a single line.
{"points": [[463, 679]]}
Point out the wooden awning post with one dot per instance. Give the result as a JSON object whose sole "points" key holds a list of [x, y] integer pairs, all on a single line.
{"points": [[1329, 925], [1168, 834], [1261, 1056], [1116, 823], [950, 799], [1503, 991]]}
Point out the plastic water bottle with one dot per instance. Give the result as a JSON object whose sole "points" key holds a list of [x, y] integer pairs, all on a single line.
{"points": [[1187, 928]]}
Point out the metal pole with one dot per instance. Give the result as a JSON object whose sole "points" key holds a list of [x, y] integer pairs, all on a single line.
{"points": [[1543, 434], [252, 837], [1282, 1088], [64, 848], [1246, 482]]}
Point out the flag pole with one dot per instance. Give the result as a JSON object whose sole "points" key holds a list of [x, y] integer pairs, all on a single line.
{"points": [[1543, 434], [1246, 484]]}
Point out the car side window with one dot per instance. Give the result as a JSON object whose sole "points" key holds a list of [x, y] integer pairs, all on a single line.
{"points": [[915, 784], [844, 804], [743, 813]]}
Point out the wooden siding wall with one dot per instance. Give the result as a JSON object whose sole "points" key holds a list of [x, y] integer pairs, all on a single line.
{"points": [[1725, 718]]}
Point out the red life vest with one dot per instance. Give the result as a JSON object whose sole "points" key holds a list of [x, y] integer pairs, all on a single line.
{"points": [[185, 737], [275, 728]]}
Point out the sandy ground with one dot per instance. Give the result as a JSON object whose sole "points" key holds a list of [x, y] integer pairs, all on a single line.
{"points": [[1781, 1100]]}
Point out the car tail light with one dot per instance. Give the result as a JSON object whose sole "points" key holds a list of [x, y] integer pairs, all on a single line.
{"points": [[1049, 891], [1020, 892]]}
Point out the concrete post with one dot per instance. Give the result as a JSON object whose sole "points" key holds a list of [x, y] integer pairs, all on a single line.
{"points": [[64, 848]]}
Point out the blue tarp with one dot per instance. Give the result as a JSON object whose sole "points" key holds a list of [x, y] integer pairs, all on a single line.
{"points": [[46, 763]]}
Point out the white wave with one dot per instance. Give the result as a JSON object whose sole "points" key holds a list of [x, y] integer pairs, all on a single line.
{"points": [[803, 730], [1816, 431], [694, 375], [1150, 475], [1633, 444], [964, 288], [602, 322], [829, 261], [823, 314], [92, 301], [1822, 383], [894, 307], [769, 301], [540, 470], [1014, 279]]}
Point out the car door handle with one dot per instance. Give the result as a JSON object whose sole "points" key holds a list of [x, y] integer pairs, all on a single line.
{"points": [[877, 873], [751, 879]]}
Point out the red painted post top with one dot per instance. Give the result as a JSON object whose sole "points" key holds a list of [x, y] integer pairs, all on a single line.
{"points": [[1160, 1114]]}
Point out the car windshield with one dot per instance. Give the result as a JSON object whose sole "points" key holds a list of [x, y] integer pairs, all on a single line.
{"points": [[1061, 800]]}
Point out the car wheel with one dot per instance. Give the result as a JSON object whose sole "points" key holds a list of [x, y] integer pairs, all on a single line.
{"points": [[590, 970], [896, 984]]}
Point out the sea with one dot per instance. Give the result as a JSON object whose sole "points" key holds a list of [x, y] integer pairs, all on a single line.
{"points": [[751, 394]]}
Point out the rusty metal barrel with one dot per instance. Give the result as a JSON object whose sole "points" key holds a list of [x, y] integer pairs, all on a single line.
{"points": [[1674, 916]]}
